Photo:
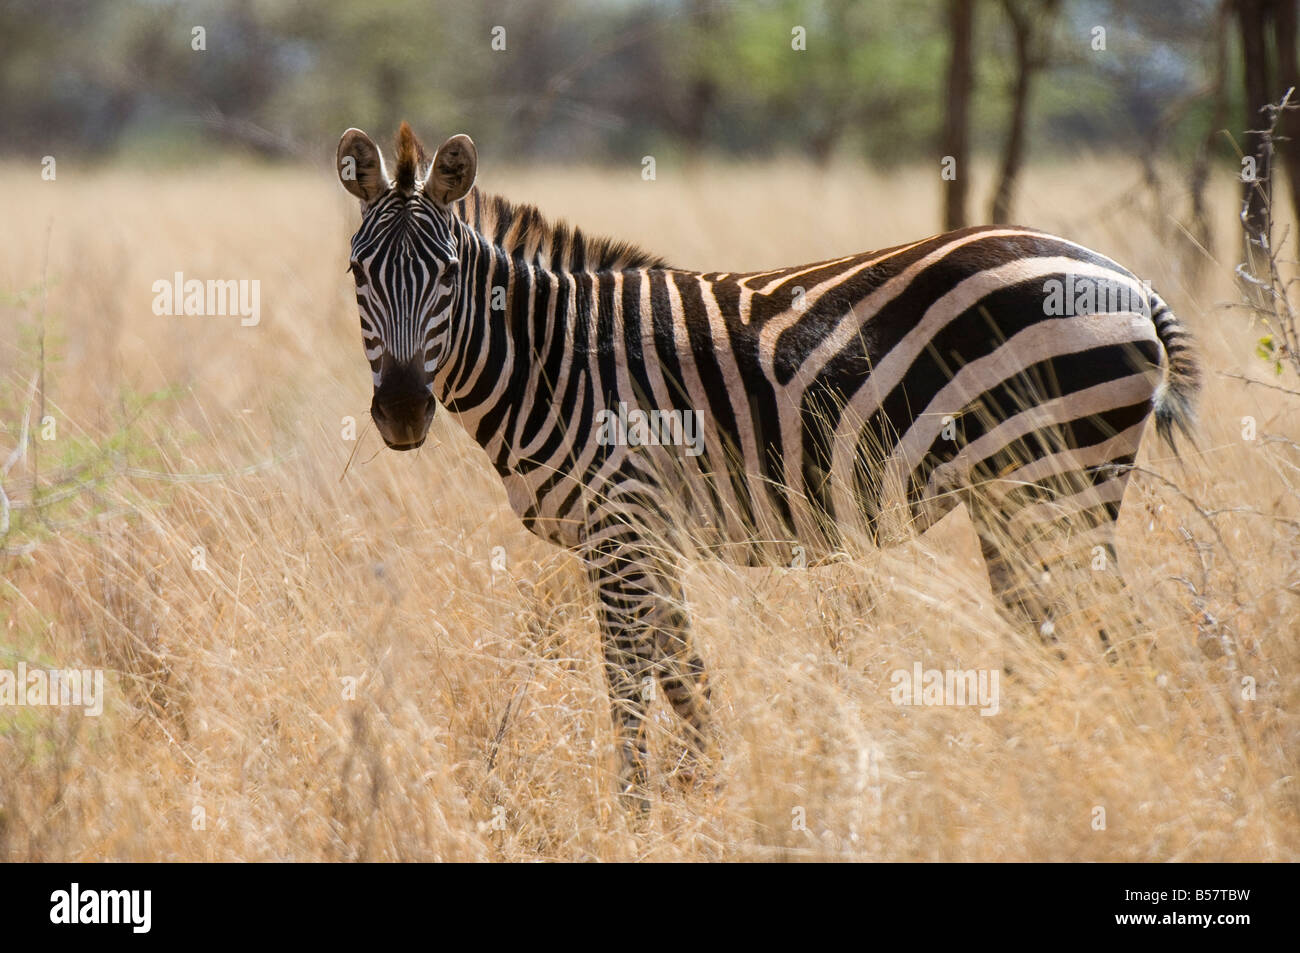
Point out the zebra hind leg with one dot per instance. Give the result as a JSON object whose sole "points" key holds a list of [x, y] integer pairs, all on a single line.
{"points": [[1049, 547]]}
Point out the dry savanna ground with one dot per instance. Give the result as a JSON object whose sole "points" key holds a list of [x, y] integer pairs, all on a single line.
{"points": [[317, 649]]}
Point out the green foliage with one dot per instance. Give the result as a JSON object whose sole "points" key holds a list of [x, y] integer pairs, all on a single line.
{"points": [[66, 483], [583, 79], [864, 67], [1266, 350]]}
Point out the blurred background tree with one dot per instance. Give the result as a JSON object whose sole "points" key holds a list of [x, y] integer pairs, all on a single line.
{"points": [[886, 81]]}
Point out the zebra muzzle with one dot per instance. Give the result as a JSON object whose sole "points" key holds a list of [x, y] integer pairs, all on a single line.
{"points": [[402, 409]]}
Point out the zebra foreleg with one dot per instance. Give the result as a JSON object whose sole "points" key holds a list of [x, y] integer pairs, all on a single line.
{"points": [[685, 684], [627, 654], [645, 631]]}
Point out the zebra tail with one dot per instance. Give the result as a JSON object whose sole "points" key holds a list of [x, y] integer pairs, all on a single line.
{"points": [[1175, 400]]}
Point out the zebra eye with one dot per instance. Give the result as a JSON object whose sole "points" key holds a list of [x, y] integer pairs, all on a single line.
{"points": [[357, 273]]}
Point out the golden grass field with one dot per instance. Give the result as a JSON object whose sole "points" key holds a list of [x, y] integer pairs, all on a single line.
{"points": [[479, 726]]}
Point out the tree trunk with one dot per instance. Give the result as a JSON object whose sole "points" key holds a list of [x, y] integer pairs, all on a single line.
{"points": [[1202, 228], [956, 126], [1013, 154], [1288, 76], [1251, 15], [702, 88]]}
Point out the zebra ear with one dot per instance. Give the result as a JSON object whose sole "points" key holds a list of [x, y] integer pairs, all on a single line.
{"points": [[453, 171], [361, 167]]}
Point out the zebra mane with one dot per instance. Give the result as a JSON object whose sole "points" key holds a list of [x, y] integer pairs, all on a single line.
{"points": [[523, 233]]}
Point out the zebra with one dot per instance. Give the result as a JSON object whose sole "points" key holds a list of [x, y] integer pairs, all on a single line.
{"points": [[996, 366]]}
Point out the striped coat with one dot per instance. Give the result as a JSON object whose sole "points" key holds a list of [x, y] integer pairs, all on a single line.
{"points": [[636, 411]]}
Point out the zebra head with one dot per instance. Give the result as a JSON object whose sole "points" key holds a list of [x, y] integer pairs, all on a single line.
{"points": [[404, 261]]}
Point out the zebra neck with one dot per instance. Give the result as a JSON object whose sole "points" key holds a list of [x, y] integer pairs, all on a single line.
{"points": [[505, 309], [519, 363]]}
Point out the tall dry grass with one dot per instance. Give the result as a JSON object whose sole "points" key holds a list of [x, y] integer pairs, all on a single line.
{"points": [[478, 725]]}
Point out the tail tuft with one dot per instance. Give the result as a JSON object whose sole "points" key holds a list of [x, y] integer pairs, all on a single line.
{"points": [[1175, 402]]}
